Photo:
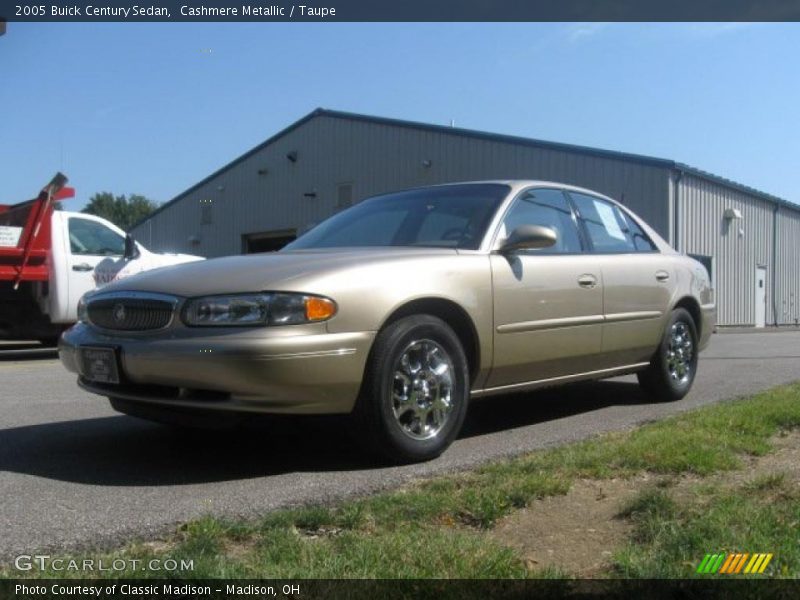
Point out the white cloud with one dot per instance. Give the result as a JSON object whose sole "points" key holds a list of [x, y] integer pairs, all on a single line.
{"points": [[577, 32]]}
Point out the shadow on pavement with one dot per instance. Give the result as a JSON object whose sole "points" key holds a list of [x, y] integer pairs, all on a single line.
{"points": [[15, 351], [124, 451], [498, 413]]}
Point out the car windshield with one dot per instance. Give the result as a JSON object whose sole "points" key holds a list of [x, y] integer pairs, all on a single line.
{"points": [[449, 216]]}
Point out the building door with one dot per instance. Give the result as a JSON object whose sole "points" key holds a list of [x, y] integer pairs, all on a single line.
{"points": [[267, 241], [761, 296]]}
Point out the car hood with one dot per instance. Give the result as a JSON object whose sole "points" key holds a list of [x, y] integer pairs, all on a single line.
{"points": [[271, 271]]}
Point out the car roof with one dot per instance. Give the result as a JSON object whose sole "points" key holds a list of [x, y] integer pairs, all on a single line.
{"points": [[517, 184]]}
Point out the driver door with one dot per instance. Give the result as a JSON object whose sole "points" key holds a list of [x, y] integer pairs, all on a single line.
{"points": [[548, 302], [91, 242]]}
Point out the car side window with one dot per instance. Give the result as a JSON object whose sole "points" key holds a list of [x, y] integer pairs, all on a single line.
{"points": [[641, 242], [93, 238], [546, 207], [608, 229]]}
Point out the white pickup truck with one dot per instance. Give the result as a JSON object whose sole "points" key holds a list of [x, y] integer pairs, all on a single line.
{"points": [[50, 258]]}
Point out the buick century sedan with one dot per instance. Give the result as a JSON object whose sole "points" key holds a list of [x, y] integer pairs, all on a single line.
{"points": [[401, 309]]}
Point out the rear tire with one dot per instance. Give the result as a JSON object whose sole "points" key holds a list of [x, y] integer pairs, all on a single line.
{"points": [[674, 365], [414, 396]]}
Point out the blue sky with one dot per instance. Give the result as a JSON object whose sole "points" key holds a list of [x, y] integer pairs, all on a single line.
{"points": [[154, 108]]}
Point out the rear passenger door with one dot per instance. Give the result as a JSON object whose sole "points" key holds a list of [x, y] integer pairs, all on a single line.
{"points": [[638, 281]]}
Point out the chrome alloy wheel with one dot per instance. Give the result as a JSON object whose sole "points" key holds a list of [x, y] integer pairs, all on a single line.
{"points": [[422, 389], [680, 353]]}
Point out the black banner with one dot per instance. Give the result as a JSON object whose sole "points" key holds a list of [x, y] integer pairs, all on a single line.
{"points": [[438, 589], [401, 10]]}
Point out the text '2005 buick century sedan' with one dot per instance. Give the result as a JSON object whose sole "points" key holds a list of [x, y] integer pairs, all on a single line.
{"points": [[399, 309]]}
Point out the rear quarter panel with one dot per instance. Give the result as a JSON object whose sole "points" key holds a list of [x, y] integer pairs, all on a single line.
{"points": [[694, 283]]}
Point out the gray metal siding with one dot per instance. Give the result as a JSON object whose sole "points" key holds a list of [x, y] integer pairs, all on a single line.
{"points": [[376, 158], [739, 246], [787, 267]]}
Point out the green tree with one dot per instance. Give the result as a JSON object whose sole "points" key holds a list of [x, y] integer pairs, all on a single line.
{"points": [[123, 211]]}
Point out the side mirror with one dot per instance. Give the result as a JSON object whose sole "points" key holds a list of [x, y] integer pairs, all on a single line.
{"points": [[131, 251], [527, 237]]}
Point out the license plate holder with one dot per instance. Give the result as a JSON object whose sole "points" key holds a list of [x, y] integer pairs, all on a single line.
{"points": [[99, 364]]}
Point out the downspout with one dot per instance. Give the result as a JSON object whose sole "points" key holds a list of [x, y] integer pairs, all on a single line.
{"points": [[775, 263], [675, 217]]}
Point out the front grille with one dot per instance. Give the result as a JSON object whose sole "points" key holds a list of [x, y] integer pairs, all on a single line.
{"points": [[131, 313]]}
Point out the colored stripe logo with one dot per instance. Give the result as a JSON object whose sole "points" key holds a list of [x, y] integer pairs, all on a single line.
{"points": [[734, 564]]}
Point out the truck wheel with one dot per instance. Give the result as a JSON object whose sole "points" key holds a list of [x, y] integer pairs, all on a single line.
{"points": [[414, 396], [674, 365]]}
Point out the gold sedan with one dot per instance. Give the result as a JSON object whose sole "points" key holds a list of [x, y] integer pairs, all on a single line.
{"points": [[398, 310]]}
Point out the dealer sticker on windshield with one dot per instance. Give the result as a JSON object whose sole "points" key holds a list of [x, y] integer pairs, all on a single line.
{"points": [[99, 364]]}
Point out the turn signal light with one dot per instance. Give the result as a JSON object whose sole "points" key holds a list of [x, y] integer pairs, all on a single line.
{"points": [[319, 309]]}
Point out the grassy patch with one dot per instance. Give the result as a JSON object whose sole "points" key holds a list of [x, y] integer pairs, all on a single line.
{"points": [[436, 528], [281, 551], [671, 538]]}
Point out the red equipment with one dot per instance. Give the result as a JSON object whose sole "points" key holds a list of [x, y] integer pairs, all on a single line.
{"points": [[27, 261]]}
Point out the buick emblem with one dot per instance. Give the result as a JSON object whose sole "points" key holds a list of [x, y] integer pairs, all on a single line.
{"points": [[119, 313]]}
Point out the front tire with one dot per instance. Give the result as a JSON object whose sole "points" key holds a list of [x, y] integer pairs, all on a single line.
{"points": [[414, 396], [673, 367]]}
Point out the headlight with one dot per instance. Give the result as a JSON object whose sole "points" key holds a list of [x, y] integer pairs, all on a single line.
{"points": [[257, 309], [83, 314]]}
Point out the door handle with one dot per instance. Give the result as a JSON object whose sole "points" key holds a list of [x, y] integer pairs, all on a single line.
{"points": [[587, 281], [662, 276], [82, 267]]}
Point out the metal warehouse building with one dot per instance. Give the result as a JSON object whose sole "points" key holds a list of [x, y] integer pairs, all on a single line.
{"points": [[749, 240]]}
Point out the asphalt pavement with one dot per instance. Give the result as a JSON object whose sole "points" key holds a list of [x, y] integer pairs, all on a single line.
{"points": [[75, 474]]}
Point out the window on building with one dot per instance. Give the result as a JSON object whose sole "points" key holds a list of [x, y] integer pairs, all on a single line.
{"points": [[344, 195], [206, 212], [549, 208], [93, 238]]}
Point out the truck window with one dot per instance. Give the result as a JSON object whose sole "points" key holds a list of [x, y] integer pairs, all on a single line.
{"points": [[91, 237]]}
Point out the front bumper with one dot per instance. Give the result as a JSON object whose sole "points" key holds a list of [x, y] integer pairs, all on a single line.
{"points": [[314, 372]]}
